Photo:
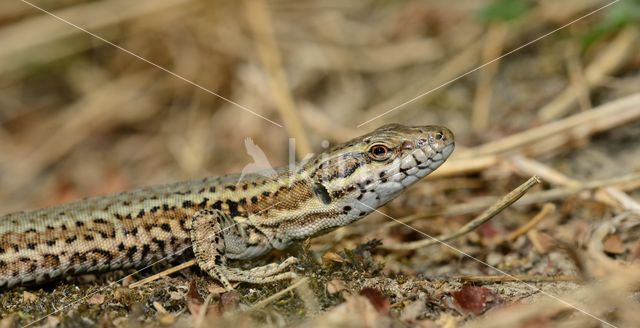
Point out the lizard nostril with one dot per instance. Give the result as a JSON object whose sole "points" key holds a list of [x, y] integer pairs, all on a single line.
{"points": [[439, 136]]}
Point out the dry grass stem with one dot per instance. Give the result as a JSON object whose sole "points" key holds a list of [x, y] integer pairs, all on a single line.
{"points": [[610, 59], [259, 19], [164, 273], [485, 216], [493, 47], [547, 209]]}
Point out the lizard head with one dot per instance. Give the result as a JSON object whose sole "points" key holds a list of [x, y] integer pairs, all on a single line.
{"points": [[366, 172]]}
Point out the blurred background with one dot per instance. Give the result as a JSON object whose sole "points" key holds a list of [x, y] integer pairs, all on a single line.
{"points": [[81, 117], [169, 90]]}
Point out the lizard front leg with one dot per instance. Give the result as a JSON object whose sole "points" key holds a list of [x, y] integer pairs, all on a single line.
{"points": [[216, 237]]}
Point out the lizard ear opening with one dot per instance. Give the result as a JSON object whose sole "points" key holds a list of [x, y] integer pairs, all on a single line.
{"points": [[322, 193]]}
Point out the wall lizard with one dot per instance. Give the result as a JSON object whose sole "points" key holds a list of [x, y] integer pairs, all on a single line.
{"points": [[219, 218]]}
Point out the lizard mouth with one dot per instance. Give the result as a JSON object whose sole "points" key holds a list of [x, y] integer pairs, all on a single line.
{"points": [[436, 160]]}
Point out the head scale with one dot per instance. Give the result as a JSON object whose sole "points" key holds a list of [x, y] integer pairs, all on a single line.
{"points": [[366, 172]]}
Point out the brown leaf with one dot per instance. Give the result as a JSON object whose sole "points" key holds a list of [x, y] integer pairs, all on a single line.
{"points": [[379, 301], [329, 257], [613, 245], [474, 299], [96, 299]]}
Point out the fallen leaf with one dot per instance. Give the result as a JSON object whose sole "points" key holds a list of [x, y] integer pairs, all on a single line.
{"points": [[96, 299], [474, 299], [332, 257], [379, 301]]}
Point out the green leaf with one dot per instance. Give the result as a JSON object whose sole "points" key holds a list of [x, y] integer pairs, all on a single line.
{"points": [[505, 10], [620, 14]]}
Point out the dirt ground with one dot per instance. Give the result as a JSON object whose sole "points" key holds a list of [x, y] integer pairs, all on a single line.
{"points": [[168, 91]]}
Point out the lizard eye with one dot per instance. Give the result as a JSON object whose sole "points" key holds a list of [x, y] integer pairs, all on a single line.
{"points": [[379, 152]]}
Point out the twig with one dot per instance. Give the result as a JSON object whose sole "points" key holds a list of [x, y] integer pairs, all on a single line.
{"points": [[163, 274], [277, 295], [631, 180], [546, 209], [259, 19], [493, 45], [485, 216], [518, 277], [21, 40], [546, 138], [529, 166], [615, 54], [609, 195]]}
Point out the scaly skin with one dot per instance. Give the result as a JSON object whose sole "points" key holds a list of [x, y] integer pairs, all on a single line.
{"points": [[221, 218]]}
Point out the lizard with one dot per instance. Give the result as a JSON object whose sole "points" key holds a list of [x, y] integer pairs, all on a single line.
{"points": [[221, 218]]}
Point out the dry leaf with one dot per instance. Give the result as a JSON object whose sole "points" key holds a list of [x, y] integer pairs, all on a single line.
{"points": [[96, 299], [379, 301], [28, 297], [329, 257], [474, 299]]}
